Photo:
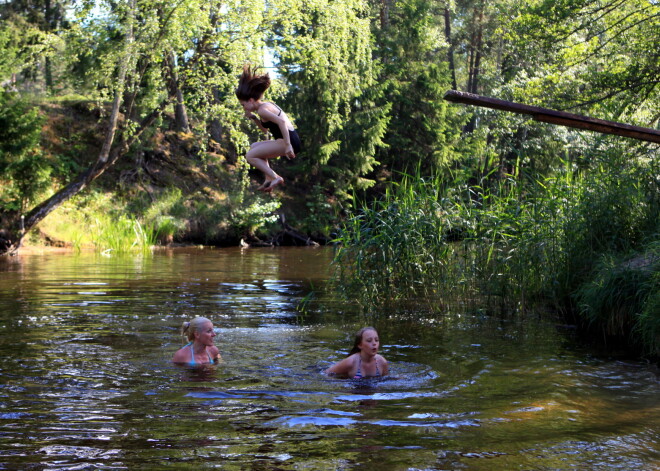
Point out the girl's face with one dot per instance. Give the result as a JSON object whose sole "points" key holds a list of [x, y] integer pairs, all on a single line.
{"points": [[370, 342], [249, 105], [205, 334]]}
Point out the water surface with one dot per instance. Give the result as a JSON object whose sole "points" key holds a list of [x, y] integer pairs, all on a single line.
{"points": [[86, 380]]}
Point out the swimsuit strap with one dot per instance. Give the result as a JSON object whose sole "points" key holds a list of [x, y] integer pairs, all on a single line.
{"points": [[274, 106], [358, 374], [192, 354]]}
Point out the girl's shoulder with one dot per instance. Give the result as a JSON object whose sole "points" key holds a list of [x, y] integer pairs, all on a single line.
{"points": [[265, 105], [353, 357], [182, 355], [350, 359], [342, 367], [270, 107]]}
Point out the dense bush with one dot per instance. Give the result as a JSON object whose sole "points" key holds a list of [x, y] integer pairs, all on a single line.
{"points": [[24, 173], [566, 240]]}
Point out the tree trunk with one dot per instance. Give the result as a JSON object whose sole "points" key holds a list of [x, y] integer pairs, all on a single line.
{"points": [[180, 115], [104, 160], [562, 118], [215, 126], [36, 215], [384, 13], [48, 74], [477, 50], [474, 62], [450, 51]]}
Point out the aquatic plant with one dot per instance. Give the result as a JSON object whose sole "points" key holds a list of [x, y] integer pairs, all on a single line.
{"points": [[121, 234], [518, 241], [622, 299], [397, 247]]}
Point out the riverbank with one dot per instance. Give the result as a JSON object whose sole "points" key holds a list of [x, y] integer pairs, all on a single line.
{"points": [[174, 187]]}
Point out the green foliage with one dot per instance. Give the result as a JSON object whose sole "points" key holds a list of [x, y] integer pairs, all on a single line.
{"points": [[23, 171], [9, 59], [98, 220], [621, 299], [321, 215], [423, 129], [178, 216], [325, 57], [595, 56], [396, 248], [614, 210], [647, 327], [115, 235], [561, 240], [251, 219], [26, 41], [167, 215]]}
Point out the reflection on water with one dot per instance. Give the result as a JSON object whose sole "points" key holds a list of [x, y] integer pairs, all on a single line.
{"points": [[86, 380]]}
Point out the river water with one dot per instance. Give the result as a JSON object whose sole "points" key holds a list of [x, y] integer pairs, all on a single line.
{"points": [[86, 380]]}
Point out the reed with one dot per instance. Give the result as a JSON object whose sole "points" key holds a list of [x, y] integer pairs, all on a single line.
{"points": [[121, 235], [518, 241], [166, 213], [394, 249], [622, 300], [647, 327]]}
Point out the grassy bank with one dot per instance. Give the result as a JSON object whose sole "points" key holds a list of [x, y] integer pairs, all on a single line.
{"points": [[172, 187]]}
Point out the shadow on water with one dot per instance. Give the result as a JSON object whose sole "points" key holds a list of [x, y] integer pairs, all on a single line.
{"points": [[86, 379]]}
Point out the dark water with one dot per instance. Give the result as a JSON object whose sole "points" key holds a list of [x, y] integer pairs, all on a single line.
{"points": [[86, 380]]}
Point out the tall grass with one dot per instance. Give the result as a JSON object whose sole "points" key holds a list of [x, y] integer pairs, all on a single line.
{"points": [[429, 236], [94, 220], [394, 249], [121, 234], [166, 214], [564, 240]]}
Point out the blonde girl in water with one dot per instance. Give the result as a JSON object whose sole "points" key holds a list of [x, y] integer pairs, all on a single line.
{"points": [[363, 360], [200, 349], [269, 118]]}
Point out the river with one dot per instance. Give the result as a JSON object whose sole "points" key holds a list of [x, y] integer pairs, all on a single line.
{"points": [[86, 380]]}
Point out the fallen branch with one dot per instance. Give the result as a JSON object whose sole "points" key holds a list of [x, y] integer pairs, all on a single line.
{"points": [[293, 233], [562, 118]]}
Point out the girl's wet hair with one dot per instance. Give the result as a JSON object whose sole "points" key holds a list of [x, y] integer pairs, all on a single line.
{"points": [[251, 84], [358, 339], [188, 329]]}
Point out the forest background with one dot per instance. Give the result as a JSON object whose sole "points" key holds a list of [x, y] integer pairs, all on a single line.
{"points": [[137, 97]]}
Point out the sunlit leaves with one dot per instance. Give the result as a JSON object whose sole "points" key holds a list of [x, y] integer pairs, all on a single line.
{"points": [[608, 47], [329, 43]]}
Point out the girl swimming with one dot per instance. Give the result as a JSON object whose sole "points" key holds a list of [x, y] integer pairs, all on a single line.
{"points": [[200, 348], [363, 360]]}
